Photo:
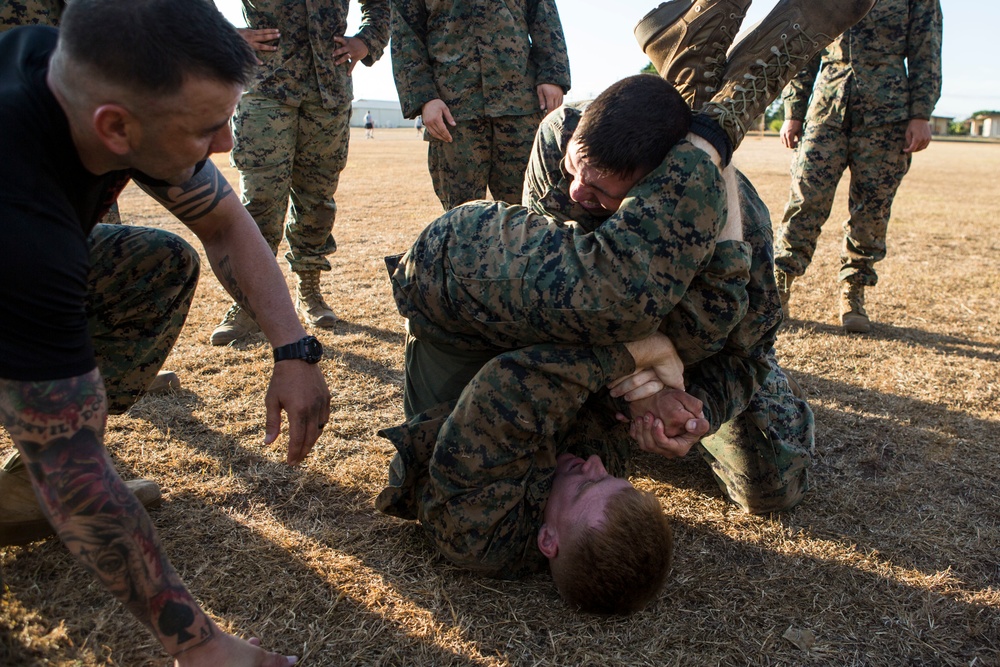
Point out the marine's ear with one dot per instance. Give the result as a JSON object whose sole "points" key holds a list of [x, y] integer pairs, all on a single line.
{"points": [[115, 126], [548, 541]]}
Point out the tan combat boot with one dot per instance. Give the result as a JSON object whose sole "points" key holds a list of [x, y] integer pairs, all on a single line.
{"points": [[852, 309], [236, 324], [309, 301], [784, 282], [21, 518], [163, 382], [772, 53], [686, 40]]}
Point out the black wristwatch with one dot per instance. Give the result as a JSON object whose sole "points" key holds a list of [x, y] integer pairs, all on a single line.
{"points": [[307, 349]]}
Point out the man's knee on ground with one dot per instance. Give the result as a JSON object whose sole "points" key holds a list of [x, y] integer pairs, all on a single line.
{"points": [[619, 567]]}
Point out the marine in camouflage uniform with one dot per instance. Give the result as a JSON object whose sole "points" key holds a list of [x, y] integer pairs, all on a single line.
{"points": [[866, 87], [484, 60], [476, 459], [292, 128]]}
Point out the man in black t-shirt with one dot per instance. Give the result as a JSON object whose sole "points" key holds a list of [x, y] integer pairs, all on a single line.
{"points": [[126, 90]]}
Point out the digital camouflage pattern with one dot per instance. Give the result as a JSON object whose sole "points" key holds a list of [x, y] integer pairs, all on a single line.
{"points": [[483, 59], [477, 471], [30, 12], [291, 131], [715, 299], [871, 82], [292, 153], [724, 328], [495, 275], [140, 286], [494, 152], [303, 62]]}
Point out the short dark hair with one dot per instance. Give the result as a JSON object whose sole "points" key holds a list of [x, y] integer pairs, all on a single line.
{"points": [[632, 125], [152, 45], [620, 566]]}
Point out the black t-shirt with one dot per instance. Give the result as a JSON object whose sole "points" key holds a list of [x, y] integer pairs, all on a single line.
{"points": [[49, 203]]}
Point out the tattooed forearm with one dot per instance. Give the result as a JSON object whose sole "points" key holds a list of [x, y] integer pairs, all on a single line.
{"points": [[194, 199], [52, 408], [227, 276], [58, 427]]}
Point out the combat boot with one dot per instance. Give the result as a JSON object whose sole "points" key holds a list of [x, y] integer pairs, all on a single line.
{"points": [[21, 518], [687, 40], [309, 301], [236, 324], [772, 53], [163, 382], [784, 282], [852, 309]]}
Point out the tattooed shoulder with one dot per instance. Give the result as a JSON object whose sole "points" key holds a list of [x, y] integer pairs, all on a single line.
{"points": [[195, 198]]}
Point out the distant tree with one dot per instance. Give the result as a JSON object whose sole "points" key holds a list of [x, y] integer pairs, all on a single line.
{"points": [[984, 113], [648, 69], [959, 129]]}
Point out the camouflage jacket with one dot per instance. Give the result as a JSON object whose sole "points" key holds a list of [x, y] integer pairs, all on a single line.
{"points": [[491, 275], [887, 68], [30, 12], [303, 60], [724, 324], [478, 481], [482, 58]]}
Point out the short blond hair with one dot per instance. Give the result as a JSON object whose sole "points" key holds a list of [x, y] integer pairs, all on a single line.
{"points": [[619, 567]]}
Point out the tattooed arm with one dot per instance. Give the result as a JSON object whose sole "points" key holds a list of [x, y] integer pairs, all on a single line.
{"points": [[246, 267], [58, 426]]}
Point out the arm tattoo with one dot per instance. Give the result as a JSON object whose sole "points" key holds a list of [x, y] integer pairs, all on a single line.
{"points": [[194, 199], [228, 279], [59, 429]]}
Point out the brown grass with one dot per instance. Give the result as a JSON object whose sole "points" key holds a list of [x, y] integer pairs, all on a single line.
{"points": [[891, 560]]}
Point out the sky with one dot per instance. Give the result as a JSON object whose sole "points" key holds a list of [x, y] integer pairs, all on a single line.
{"points": [[602, 50]]}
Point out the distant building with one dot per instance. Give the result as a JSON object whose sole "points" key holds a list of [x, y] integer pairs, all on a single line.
{"points": [[385, 113], [940, 124], [985, 125]]}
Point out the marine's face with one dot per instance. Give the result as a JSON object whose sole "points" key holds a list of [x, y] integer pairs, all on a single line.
{"points": [[580, 493], [598, 192], [182, 130]]}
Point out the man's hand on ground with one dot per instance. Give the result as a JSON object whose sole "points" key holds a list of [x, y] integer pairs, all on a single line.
{"points": [[300, 390], [228, 651]]}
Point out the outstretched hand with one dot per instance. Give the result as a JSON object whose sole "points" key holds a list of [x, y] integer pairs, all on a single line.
{"points": [[229, 651], [300, 390]]}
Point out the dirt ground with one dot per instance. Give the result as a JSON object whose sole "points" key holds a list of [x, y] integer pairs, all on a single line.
{"points": [[891, 560]]}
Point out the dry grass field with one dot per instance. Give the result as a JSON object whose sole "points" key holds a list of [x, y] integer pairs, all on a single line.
{"points": [[893, 558]]}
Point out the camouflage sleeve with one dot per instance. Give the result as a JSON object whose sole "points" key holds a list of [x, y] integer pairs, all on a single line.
{"points": [[715, 302], [548, 44], [411, 65], [923, 57], [795, 96], [491, 469], [374, 30], [725, 382]]}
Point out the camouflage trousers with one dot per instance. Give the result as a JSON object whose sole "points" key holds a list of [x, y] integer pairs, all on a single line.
{"points": [[484, 152], [290, 159], [760, 459], [141, 284], [877, 164]]}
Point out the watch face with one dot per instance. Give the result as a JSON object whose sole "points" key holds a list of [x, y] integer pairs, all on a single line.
{"points": [[313, 349]]}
